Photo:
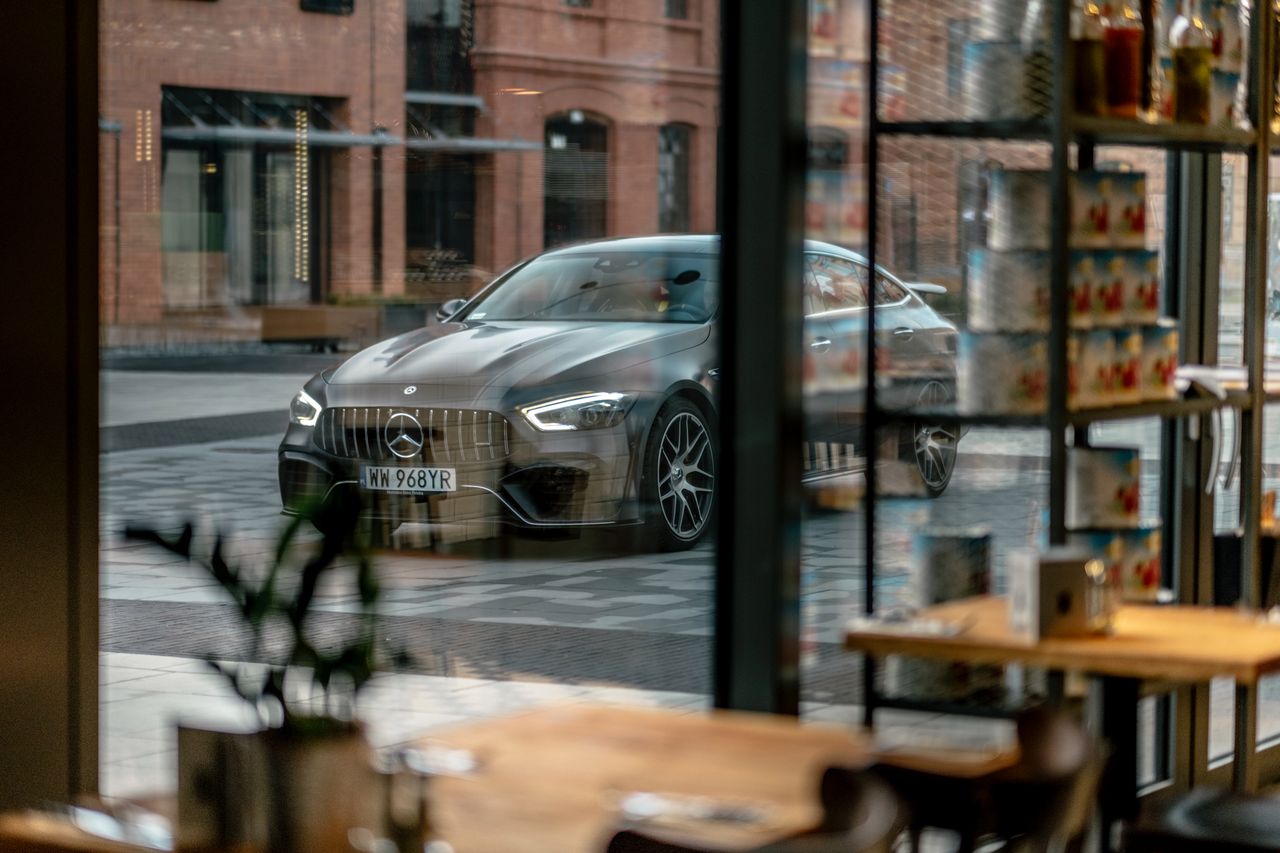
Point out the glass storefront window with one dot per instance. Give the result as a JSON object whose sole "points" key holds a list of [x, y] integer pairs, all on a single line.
{"points": [[292, 215]]}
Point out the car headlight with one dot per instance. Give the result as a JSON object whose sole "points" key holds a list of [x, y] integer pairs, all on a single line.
{"points": [[304, 410], [581, 411]]}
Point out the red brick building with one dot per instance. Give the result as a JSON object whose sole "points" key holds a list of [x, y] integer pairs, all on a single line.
{"points": [[269, 152]]}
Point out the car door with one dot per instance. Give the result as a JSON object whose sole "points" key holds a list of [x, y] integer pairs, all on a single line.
{"points": [[916, 353], [835, 352]]}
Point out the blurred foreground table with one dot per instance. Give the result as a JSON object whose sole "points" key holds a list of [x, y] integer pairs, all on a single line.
{"points": [[551, 779], [1149, 643]]}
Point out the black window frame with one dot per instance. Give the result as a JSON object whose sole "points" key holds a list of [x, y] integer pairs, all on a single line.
{"points": [[328, 7]]}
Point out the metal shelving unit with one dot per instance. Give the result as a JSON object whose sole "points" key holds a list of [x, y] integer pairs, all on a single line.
{"points": [[1078, 417], [1084, 129], [1065, 134]]}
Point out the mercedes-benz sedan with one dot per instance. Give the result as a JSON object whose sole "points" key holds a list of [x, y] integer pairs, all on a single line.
{"points": [[579, 389]]}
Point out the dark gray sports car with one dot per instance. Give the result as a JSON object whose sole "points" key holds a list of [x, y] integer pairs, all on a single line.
{"points": [[578, 389]]}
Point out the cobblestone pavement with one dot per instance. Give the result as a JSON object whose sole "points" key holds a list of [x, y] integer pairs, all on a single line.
{"points": [[515, 617], [572, 610]]}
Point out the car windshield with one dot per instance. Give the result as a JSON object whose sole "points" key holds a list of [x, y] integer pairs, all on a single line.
{"points": [[646, 287]]}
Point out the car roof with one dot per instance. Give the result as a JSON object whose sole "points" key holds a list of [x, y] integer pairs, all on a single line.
{"points": [[681, 242]]}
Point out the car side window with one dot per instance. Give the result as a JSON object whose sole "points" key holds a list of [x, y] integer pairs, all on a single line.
{"points": [[812, 299], [888, 291], [840, 284]]}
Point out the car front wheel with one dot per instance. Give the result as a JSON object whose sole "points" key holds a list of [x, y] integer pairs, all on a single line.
{"points": [[931, 443], [679, 477]]}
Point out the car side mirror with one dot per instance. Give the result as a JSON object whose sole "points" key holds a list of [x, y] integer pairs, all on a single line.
{"points": [[920, 288], [449, 308]]}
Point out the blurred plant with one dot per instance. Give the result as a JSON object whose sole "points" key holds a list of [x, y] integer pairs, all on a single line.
{"points": [[264, 599]]}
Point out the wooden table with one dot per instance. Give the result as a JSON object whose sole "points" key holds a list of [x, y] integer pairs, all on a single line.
{"points": [[550, 778], [1149, 643]]}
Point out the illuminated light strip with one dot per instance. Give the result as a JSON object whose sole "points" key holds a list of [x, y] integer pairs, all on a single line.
{"points": [[301, 194]]}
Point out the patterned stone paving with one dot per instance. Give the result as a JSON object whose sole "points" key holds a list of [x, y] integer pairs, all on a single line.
{"points": [[496, 624]]}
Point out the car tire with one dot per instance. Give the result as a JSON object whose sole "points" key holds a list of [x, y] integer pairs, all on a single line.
{"points": [[678, 477], [931, 443]]}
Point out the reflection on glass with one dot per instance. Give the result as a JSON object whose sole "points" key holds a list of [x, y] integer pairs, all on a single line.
{"points": [[291, 208]]}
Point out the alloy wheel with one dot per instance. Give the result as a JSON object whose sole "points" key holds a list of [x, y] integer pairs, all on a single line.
{"points": [[935, 441], [686, 475]]}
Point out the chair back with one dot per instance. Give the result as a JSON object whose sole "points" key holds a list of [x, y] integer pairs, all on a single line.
{"points": [[1049, 795]]}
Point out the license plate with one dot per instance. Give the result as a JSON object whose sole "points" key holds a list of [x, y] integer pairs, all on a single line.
{"points": [[388, 478]]}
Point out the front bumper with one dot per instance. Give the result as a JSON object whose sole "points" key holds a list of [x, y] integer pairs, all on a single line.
{"points": [[528, 478]]}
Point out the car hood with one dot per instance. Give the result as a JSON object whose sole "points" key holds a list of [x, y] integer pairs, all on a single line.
{"points": [[497, 355]]}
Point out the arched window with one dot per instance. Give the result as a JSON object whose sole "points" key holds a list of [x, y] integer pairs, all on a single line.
{"points": [[575, 179], [674, 141]]}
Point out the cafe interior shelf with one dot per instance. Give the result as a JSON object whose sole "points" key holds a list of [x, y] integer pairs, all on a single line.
{"points": [[1082, 417], [1100, 131]]}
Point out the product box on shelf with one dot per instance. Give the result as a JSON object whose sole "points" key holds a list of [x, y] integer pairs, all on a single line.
{"points": [[1058, 592], [1127, 372], [1081, 281], [1109, 288], [1222, 99], [1091, 210], [993, 76], [1103, 487], [1159, 361], [1108, 210], [1228, 35], [1008, 291], [1095, 360], [1131, 557], [1006, 374], [1073, 374], [1020, 206], [1141, 287], [1127, 194], [999, 20], [946, 564]]}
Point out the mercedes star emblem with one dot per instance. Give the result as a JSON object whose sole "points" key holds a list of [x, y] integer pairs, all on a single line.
{"points": [[403, 435], [411, 389]]}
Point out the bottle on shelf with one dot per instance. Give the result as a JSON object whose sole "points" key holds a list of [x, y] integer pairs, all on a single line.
{"points": [[1086, 49], [1155, 57], [1122, 35], [1037, 65], [1275, 79], [1192, 47], [1228, 36]]}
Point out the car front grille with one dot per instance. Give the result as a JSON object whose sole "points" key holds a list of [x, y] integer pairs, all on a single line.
{"points": [[451, 436]]}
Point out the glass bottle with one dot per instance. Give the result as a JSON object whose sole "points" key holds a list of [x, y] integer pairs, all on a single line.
{"points": [[1192, 46], [1086, 49], [1228, 37], [1275, 78], [1037, 66], [1122, 34]]}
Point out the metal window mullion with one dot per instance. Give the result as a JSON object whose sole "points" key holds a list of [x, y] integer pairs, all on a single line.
{"points": [[1059, 328], [760, 207], [869, 396]]}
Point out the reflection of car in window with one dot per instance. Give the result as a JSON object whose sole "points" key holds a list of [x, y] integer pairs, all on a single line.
{"points": [[576, 390]]}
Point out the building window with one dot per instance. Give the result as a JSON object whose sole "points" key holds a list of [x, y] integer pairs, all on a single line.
{"points": [[959, 35], [575, 179], [578, 4], [678, 9], [438, 45], [673, 177], [241, 197], [329, 7]]}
